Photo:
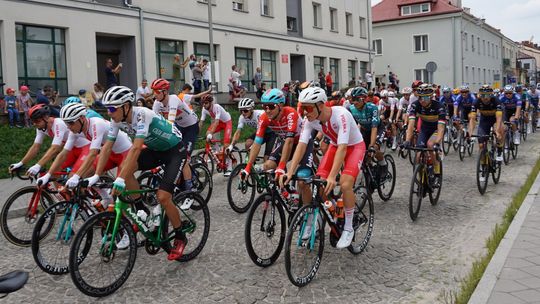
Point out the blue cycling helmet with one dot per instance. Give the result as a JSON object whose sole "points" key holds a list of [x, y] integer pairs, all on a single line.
{"points": [[71, 99], [273, 96], [508, 89]]}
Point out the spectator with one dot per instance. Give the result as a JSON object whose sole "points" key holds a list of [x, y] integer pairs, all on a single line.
{"points": [[235, 91], [141, 102], [320, 75], [207, 73], [236, 74], [111, 74], [187, 97], [84, 98], [329, 83], [12, 108], [25, 102], [145, 93], [97, 94], [257, 79], [260, 91], [286, 91], [369, 79], [176, 73], [190, 61], [197, 78], [52, 95]]}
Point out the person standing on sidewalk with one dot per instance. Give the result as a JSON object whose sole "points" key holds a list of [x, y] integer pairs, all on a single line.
{"points": [[329, 83]]}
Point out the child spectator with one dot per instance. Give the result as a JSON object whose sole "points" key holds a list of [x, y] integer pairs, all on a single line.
{"points": [[12, 108], [25, 102]]}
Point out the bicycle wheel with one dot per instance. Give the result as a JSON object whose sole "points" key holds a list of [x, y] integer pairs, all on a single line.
{"points": [[412, 157], [514, 150], [202, 181], [240, 193], [417, 190], [482, 171], [447, 140], [16, 221], [103, 269], [455, 135], [387, 183], [495, 170], [470, 148], [506, 148], [264, 232], [362, 221], [303, 257], [236, 157], [207, 160], [461, 146], [195, 224], [51, 250], [436, 193], [523, 129]]}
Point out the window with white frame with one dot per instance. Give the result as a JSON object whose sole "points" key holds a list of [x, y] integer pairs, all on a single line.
{"points": [[472, 42], [473, 76], [291, 24], [421, 74], [239, 5], [333, 20], [466, 39], [349, 23], [363, 27], [266, 7], [484, 46], [377, 46], [420, 43], [488, 49], [466, 80], [317, 16], [478, 43], [415, 9]]}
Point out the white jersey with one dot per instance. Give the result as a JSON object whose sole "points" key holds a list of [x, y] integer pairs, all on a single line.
{"points": [[176, 111], [59, 133], [251, 122], [341, 128], [404, 103], [216, 112], [98, 129]]}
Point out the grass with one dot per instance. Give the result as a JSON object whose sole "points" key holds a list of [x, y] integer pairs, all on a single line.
{"points": [[15, 142], [469, 283]]}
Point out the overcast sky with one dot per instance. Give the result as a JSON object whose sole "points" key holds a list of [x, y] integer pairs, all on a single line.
{"points": [[517, 19]]}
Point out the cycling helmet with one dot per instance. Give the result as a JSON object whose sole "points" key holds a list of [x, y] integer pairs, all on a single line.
{"points": [[304, 85], [508, 89], [496, 91], [336, 95], [391, 94], [117, 96], [246, 103], [485, 89], [71, 99], [358, 92], [455, 91], [72, 112], [312, 96], [464, 89], [207, 98], [416, 84], [406, 90], [384, 93], [518, 88], [274, 96], [424, 89], [348, 93], [315, 84], [446, 90], [160, 84], [38, 111], [82, 92]]}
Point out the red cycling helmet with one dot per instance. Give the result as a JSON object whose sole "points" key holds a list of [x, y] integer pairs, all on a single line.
{"points": [[160, 84], [207, 98], [416, 84], [38, 111]]}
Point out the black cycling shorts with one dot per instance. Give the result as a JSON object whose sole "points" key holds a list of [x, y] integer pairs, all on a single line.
{"points": [[173, 160], [508, 113], [307, 159], [269, 139], [189, 136], [366, 134], [426, 131], [484, 127]]}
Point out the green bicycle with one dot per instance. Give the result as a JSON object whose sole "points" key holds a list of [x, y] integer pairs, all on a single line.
{"points": [[105, 268]]}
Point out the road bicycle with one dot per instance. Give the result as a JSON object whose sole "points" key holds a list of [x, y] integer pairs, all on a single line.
{"points": [[241, 191], [214, 157], [509, 147], [486, 163], [371, 179], [464, 142], [450, 138]]}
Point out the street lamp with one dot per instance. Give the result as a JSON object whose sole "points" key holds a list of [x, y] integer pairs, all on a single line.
{"points": [[211, 40]]}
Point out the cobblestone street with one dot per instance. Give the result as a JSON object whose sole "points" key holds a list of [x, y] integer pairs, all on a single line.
{"points": [[406, 262]]}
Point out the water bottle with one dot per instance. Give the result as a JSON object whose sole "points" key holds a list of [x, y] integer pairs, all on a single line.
{"points": [[330, 205], [156, 218], [340, 211], [142, 215]]}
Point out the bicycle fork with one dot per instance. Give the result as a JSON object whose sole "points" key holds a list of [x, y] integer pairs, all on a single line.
{"points": [[69, 217], [313, 228]]}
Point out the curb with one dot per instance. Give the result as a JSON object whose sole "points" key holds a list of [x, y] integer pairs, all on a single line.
{"points": [[485, 287]]}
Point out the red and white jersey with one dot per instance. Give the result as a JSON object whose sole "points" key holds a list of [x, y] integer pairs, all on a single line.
{"points": [[341, 128], [98, 129], [216, 112], [289, 125], [59, 133], [176, 111]]}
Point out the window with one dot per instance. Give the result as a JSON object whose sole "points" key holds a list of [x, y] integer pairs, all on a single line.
{"points": [[363, 69], [526, 66], [41, 57], [317, 18], [466, 80], [1, 75], [421, 74], [478, 40], [484, 46], [415, 9], [268, 68], [244, 61], [363, 27], [318, 65], [420, 43], [351, 69], [473, 76], [472, 43], [377, 46], [488, 49], [466, 40], [239, 5], [291, 24], [348, 23], [485, 79], [334, 68], [266, 8], [202, 50], [333, 20], [165, 52]]}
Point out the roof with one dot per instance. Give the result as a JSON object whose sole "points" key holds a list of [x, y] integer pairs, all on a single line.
{"points": [[388, 10]]}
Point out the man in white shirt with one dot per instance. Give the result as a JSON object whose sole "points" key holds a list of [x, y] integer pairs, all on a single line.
{"points": [[144, 92], [235, 75], [369, 79], [207, 72]]}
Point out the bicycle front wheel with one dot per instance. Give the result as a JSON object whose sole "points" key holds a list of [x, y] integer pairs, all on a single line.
{"points": [[202, 181], [417, 190], [435, 192], [207, 160], [388, 182], [303, 255], [482, 171], [495, 170], [104, 268], [514, 150], [362, 221], [461, 146], [506, 148], [240, 193]]}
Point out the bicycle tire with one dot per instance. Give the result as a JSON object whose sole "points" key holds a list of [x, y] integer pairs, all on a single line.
{"points": [[434, 198], [461, 146], [482, 168], [244, 187], [470, 148], [514, 150], [496, 171], [523, 129], [364, 216], [417, 189], [207, 160], [203, 181], [9, 219], [447, 140], [392, 171], [506, 148]]}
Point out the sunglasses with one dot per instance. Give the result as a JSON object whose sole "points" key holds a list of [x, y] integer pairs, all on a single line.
{"points": [[158, 91], [71, 123], [112, 109], [244, 111], [269, 106], [307, 109], [425, 98], [508, 93]]}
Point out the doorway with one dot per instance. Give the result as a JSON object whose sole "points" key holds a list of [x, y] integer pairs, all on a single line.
{"points": [[298, 67], [121, 49]]}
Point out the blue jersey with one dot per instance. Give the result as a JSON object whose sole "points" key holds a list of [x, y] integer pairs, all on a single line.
{"points": [[512, 102], [534, 97], [368, 117], [465, 103], [448, 101]]}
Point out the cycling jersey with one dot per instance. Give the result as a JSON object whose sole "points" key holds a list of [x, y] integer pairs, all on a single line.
{"points": [[511, 103], [158, 133], [431, 115], [487, 110], [449, 101], [216, 112], [91, 113], [98, 129], [177, 111], [340, 128], [534, 97], [289, 125], [464, 103], [368, 117], [252, 121], [404, 104], [59, 133]]}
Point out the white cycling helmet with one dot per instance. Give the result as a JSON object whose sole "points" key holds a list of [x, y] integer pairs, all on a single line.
{"points": [[246, 103], [72, 112], [384, 93], [117, 96], [312, 95], [348, 93], [406, 90], [391, 94]]}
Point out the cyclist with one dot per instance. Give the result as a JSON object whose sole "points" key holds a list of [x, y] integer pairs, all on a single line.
{"points": [[404, 103], [394, 117], [54, 127], [221, 121], [346, 149], [432, 114], [74, 99], [490, 109], [522, 94], [462, 107], [186, 96], [534, 96], [448, 100], [177, 112], [163, 147], [512, 110], [250, 117]]}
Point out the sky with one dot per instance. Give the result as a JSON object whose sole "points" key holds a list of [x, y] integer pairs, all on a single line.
{"points": [[517, 19]]}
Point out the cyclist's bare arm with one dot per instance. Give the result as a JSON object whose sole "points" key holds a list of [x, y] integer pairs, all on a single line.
{"points": [[58, 161], [410, 128], [254, 152], [31, 153], [297, 157], [440, 132], [236, 136], [287, 149], [50, 154], [86, 166], [373, 135]]}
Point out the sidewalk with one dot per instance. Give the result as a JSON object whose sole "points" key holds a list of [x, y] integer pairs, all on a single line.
{"points": [[513, 274]]}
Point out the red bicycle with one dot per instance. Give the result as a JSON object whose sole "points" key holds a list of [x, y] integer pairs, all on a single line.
{"points": [[214, 157]]}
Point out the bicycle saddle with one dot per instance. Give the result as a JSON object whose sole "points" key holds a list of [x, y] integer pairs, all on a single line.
{"points": [[13, 281]]}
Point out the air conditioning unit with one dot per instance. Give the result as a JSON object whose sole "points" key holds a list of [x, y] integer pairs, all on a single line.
{"points": [[238, 6]]}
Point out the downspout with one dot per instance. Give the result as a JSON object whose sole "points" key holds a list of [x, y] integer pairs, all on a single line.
{"points": [[454, 50], [128, 4], [368, 5]]}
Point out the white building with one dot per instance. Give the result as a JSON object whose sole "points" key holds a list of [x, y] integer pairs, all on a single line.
{"points": [[509, 54], [409, 34], [65, 43], [529, 61]]}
